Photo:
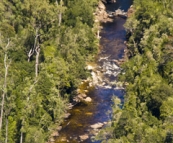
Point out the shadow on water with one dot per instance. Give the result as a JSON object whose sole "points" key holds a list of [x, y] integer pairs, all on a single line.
{"points": [[99, 110], [112, 39], [121, 4]]}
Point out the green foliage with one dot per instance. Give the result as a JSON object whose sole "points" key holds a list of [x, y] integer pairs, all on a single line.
{"points": [[11, 129], [33, 104], [81, 10], [34, 135], [146, 115]]}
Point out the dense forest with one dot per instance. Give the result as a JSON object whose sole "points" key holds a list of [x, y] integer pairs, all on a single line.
{"points": [[44, 46], [147, 113]]}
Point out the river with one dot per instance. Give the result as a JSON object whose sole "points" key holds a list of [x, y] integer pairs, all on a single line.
{"points": [[99, 110]]}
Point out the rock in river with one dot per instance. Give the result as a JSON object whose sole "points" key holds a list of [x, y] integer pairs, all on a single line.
{"points": [[97, 125], [84, 137], [88, 99]]}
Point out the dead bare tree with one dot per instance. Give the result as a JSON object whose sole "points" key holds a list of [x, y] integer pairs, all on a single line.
{"points": [[61, 9], [4, 87], [35, 49]]}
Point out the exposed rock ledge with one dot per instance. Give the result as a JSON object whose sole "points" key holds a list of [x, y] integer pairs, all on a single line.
{"points": [[101, 15]]}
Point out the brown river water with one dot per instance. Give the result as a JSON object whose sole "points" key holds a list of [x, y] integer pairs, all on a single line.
{"points": [[99, 110]]}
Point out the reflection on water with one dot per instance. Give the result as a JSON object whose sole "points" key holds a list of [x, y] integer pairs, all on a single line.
{"points": [[83, 115]]}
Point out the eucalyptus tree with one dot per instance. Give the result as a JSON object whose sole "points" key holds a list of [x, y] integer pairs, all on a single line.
{"points": [[41, 17], [61, 9], [4, 86], [35, 32], [7, 46], [7, 34]]}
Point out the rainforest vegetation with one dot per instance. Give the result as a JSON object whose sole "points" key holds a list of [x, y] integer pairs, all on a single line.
{"points": [[147, 113], [44, 46]]}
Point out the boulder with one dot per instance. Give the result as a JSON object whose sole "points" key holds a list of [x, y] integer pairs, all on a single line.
{"points": [[67, 115], [83, 95], [91, 84], [97, 125], [76, 99], [104, 1], [83, 137], [51, 140], [70, 106], [63, 139], [120, 13], [101, 6], [59, 128], [94, 77], [86, 91], [88, 99], [101, 14], [130, 11], [55, 134], [115, 67], [78, 90], [80, 97], [89, 67], [107, 87]]}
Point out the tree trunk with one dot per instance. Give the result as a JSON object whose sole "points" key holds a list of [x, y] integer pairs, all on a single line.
{"points": [[30, 53], [60, 19], [2, 109], [37, 60], [60, 12], [5, 84], [98, 34], [6, 134], [21, 137], [32, 50]]}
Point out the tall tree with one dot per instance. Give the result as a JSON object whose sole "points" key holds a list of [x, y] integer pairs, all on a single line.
{"points": [[4, 87], [61, 10]]}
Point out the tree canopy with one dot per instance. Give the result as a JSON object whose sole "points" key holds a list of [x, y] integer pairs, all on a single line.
{"points": [[44, 46], [146, 115]]}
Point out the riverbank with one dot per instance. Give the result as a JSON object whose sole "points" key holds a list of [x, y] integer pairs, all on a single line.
{"points": [[146, 115]]}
